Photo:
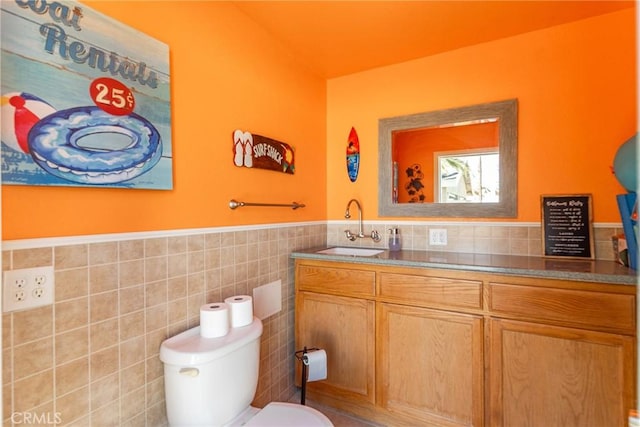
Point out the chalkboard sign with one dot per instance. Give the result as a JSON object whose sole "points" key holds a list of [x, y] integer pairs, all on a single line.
{"points": [[567, 226]]}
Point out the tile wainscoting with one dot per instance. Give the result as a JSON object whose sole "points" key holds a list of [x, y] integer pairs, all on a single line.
{"points": [[480, 238], [91, 358]]}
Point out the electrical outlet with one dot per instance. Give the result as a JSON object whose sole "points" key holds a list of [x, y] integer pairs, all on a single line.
{"points": [[27, 288], [438, 236]]}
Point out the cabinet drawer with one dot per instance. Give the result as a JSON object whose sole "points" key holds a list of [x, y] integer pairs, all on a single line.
{"points": [[599, 310], [338, 281], [431, 291]]}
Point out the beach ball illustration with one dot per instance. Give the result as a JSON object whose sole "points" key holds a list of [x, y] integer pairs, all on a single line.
{"points": [[19, 112]]}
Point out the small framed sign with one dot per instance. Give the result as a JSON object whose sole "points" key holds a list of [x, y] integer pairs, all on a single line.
{"points": [[567, 224]]}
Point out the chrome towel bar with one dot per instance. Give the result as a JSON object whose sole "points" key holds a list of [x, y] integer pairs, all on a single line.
{"points": [[233, 204]]}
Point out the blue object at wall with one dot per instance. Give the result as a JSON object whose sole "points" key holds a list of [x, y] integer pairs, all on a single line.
{"points": [[627, 204]]}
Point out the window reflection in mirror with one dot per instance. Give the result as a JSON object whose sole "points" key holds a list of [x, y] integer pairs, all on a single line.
{"points": [[467, 176], [420, 176]]}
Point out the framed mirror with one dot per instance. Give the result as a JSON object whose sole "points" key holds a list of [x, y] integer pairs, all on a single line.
{"points": [[459, 162]]}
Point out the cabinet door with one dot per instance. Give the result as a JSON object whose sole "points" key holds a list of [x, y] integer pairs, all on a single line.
{"points": [[552, 376], [344, 328], [431, 365]]}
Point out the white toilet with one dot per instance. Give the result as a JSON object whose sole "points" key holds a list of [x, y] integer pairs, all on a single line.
{"points": [[212, 381]]}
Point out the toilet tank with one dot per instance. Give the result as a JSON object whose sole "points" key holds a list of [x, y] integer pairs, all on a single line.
{"points": [[209, 381]]}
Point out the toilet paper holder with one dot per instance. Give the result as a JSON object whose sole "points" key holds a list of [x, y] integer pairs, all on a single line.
{"points": [[300, 356]]}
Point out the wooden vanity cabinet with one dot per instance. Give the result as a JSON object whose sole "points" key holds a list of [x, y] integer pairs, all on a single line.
{"points": [[430, 348], [430, 365], [561, 356], [545, 375], [414, 346], [335, 311]]}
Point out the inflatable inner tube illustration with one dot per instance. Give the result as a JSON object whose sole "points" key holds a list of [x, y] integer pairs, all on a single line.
{"points": [[90, 146]]}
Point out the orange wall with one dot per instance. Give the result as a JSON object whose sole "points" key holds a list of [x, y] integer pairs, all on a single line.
{"points": [[576, 89], [575, 83], [226, 74]]}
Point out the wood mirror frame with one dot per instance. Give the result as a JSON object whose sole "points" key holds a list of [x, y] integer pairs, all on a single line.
{"points": [[507, 114]]}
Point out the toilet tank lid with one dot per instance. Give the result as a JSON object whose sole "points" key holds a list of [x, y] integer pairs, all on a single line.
{"points": [[188, 348]]}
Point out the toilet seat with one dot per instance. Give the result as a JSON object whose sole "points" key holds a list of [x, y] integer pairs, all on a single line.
{"points": [[280, 414]]}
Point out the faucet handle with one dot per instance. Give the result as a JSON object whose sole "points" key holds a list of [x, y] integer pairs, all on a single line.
{"points": [[375, 236], [350, 235]]}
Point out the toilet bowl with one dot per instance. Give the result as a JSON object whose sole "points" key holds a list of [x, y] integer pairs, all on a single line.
{"points": [[281, 414], [212, 381]]}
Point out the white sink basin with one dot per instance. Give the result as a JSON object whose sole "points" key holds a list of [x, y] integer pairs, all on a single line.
{"points": [[351, 251]]}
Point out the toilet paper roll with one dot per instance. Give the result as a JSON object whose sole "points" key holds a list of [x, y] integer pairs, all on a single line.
{"points": [[240, 310], [316, 362], [214, 320]]}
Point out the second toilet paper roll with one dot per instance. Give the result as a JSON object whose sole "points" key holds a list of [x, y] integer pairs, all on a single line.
{"points": [[240, 310], [316, 362], [214, 320]]}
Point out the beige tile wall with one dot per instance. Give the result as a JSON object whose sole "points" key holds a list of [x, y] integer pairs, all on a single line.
{"points": [[91, 359], [499, 239]]}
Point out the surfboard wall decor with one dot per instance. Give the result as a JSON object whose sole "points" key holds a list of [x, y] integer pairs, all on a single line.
{"points": [[353, 155]]}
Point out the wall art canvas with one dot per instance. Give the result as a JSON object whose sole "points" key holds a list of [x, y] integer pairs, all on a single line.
{"points": [[85, 100]]}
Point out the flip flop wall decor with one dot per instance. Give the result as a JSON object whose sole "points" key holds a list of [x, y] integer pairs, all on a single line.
{"points": [[260, 152]]}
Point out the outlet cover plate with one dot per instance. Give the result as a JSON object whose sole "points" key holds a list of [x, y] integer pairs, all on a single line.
{"points": [[27, 288], [438, 236]]}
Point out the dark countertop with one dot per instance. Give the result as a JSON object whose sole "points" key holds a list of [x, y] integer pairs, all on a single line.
{"points": [[551, 268]]}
